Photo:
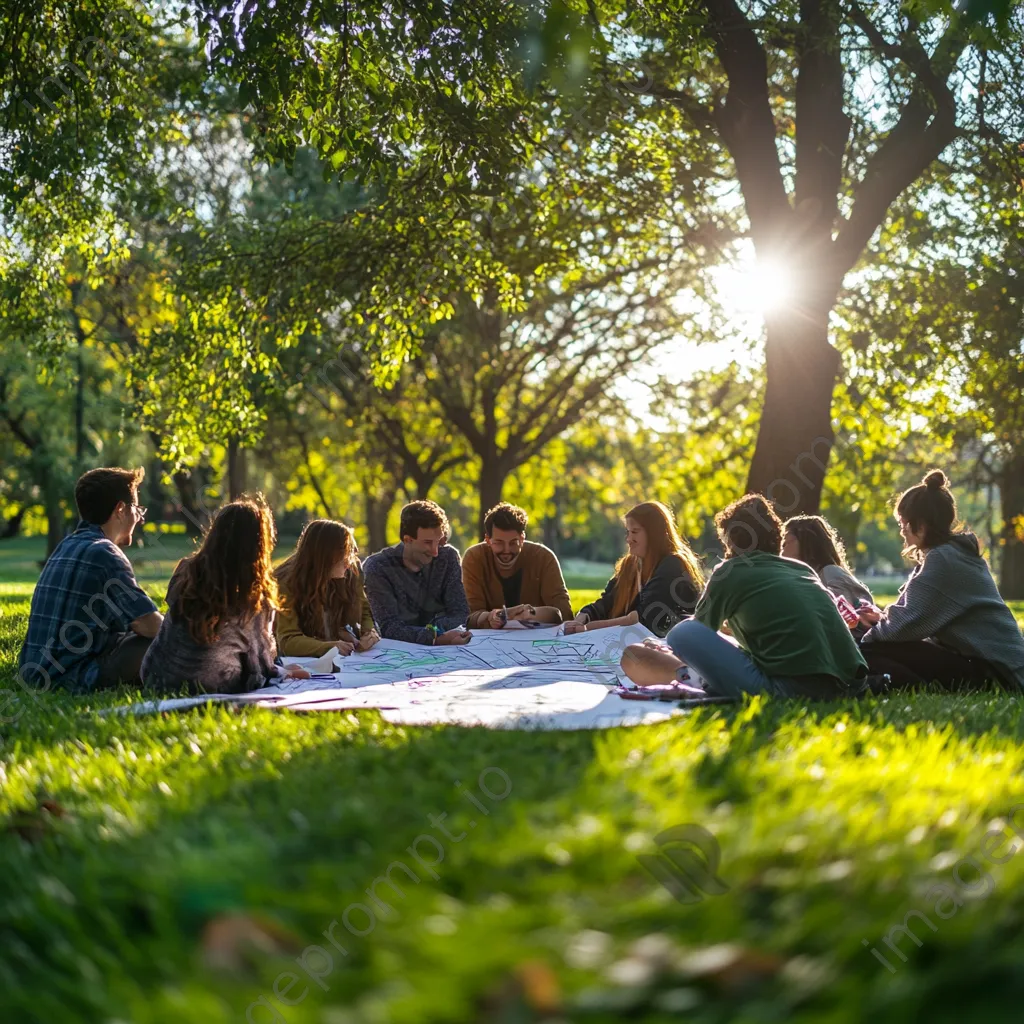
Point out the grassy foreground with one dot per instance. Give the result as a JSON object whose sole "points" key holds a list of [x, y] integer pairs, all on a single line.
{"points": [[211, 866]]}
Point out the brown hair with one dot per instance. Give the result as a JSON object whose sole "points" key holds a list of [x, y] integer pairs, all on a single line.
{"points": [[304, 578], [820, 545], [505, 516], [749, 524], [230, 575], [417, 515], [930, 505], [98, 492], [663, 539]]}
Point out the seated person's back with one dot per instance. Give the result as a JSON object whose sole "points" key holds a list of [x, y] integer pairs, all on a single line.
{"points": [[217, 636], [793, 641], [90, 622], [779, 611]]}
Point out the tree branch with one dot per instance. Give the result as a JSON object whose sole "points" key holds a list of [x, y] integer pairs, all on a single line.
{"points": [[822, 126], [745, 120]]}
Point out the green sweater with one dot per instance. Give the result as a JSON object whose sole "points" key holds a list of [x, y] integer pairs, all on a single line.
{"points": [[779, 611]]}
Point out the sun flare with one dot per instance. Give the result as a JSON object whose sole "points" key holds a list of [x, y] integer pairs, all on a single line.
{"points": [[754, 286]]}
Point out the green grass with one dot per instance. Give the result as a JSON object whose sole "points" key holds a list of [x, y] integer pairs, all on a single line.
{"points": [[169, 869]]}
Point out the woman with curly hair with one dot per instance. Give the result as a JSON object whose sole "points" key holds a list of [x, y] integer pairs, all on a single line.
{"points": [[323, 600], [217, 636]]}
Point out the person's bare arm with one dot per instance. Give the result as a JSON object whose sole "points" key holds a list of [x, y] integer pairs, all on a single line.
{"points": [[536, 613], [649, 666], [623, 620], [147, 625]]}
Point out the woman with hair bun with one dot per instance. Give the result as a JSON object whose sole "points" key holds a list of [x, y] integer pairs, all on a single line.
{"points": [[949, 626]]}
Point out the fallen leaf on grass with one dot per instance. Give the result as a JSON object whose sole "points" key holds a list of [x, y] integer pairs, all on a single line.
{"points": [[229, 941], [540, 986], [36, 824], [528, 992], [730, 967]]}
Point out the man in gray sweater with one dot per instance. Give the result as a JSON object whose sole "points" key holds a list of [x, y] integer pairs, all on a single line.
{"points": [[415, 587]]}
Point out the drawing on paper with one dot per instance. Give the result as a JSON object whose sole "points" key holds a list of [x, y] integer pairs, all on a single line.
{"points": [[383, 661]]}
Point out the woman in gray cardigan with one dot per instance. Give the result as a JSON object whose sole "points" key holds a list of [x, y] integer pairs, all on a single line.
{"points": [[217, 636], [950, 626]]}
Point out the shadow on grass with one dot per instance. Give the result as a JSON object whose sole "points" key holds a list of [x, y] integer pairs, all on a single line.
{"points": [[99, 907]]}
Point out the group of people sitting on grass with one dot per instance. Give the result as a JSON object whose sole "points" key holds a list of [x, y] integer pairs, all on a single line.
{"points": [[781, 614]]}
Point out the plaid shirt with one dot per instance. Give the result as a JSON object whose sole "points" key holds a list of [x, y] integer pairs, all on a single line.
{"points": [[87, 592]]}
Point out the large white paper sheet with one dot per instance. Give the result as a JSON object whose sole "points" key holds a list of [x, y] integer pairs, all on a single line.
{"points": [[519, 679]]}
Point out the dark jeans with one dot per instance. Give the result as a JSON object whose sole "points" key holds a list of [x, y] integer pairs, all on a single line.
{"points": [[121, 659], [921, 663]]}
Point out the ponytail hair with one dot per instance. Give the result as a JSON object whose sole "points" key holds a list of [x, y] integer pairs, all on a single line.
{"points": [[929, 508]]}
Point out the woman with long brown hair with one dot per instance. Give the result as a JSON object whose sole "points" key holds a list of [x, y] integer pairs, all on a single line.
{"points": [[323, 600], [657, 582], [217, 636], [814, 541]]}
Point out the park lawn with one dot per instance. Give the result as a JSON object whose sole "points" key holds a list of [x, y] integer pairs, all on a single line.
{"points": [[172, 868]]}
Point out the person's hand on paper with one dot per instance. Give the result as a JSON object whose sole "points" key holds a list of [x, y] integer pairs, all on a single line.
{"points": [[575, 626], [345, 647], [368, 640], [656, 643], [456, 636], [496, 618], [295, 672]]}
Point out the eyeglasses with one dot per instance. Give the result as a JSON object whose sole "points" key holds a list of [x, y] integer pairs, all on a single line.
{"points": [[139, 510]]}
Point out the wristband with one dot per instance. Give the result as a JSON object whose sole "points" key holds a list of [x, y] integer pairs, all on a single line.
{"points": [[434, 633]]}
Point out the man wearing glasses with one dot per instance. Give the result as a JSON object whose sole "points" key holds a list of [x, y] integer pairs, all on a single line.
{"points": [[91, 623]]}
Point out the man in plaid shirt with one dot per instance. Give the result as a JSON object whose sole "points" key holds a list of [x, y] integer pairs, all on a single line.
{"points": [[91, 623]]}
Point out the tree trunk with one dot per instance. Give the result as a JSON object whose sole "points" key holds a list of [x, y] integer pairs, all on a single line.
{"points": [[12, 525], [492, 482], [552, 527], [795, 434], [156, 492], [236, 470], [378, 506], [189, 505], [80, 405], [55, 521], [1011, 492]]}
